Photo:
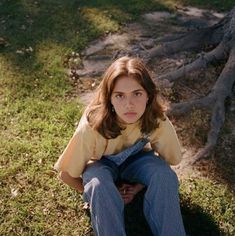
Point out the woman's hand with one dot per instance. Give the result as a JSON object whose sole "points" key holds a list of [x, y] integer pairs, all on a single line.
{"points": [[128, 191]]}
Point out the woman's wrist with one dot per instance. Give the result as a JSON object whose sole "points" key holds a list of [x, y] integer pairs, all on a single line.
{"points": [[80, 186]]}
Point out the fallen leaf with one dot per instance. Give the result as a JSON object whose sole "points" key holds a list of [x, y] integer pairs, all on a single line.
{"points": [[14, 192]]}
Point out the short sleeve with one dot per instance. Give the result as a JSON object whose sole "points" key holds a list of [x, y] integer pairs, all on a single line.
{"points": [[165, 141], [78, 151]]}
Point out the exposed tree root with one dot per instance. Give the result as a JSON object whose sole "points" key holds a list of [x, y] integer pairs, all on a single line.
{"points": [[224, 49], [201, 63], [196, 40], [179, 109]]}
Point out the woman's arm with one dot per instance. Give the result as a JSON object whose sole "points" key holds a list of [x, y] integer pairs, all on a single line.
{"points": [[75, 183]]}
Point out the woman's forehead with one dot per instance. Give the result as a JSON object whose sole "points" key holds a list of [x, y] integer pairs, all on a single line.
{"points": [[127, 84]]}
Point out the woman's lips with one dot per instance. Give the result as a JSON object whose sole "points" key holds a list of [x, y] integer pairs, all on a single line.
{"points": [[130, 114]]}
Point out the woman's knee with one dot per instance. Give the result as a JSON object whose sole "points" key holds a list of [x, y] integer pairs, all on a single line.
{"points": [[99, 188], [164, 173], [94, 184], [97, 177], [96, 172], [158, 169], [95, 187]]}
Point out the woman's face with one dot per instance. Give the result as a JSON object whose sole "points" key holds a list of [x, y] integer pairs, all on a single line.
{"points": [[129, 100]]}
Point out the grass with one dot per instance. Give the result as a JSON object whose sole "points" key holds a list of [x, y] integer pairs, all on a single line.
{"points": [[37, 119], [210, 205]]}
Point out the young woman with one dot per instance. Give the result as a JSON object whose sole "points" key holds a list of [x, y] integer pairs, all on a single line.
{"points": [[124, 135]]}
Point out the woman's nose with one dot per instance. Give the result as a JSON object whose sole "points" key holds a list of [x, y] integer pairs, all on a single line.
{"points": [[129, 101]]}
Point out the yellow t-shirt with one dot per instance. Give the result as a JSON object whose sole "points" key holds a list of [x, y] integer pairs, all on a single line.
{"points": [[88, 145]]}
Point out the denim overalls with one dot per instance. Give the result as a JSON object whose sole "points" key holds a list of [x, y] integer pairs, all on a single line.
{"points": [[161, 201]]}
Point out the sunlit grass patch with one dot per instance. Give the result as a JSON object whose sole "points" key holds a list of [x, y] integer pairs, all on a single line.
{"points": [[101, 20], [36, 129], [55, 206], [31, 196]]}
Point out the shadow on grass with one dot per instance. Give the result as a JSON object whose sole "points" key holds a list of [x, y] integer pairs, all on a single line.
{"points": [[67, 23], [37, 36], [196, 222]]}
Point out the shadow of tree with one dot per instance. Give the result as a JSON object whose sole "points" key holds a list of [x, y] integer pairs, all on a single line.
{"points": [[34, 23], [26, 23], [53, 29]]}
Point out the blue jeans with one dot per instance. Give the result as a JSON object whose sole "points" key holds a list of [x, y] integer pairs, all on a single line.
{"points": [[161, 201]]}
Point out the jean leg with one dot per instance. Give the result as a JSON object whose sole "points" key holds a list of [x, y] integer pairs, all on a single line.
{"points": [[107, 206], [161, 200]]}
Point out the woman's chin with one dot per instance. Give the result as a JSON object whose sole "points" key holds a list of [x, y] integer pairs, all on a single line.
{"points": [[129, 121]]}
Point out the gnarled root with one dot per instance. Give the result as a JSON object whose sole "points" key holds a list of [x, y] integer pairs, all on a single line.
{"points": [[222, 36]]}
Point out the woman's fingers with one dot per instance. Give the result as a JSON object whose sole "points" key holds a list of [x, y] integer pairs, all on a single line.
{"points": [[128, 191], [127, 198], [127, 194]]}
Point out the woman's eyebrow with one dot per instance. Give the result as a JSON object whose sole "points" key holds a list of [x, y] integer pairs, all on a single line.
{"points": [[134, 91]]}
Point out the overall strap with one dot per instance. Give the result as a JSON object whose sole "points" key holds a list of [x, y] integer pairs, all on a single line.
{"points": [[120, 157]]}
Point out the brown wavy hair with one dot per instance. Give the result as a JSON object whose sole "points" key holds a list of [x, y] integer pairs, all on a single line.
{"points": [[99, 112]]}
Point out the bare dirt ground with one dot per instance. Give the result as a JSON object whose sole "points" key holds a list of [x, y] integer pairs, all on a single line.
{"points": [[135, 39]]}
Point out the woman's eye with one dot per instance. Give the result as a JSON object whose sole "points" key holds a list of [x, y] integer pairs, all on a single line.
{"points": [[119, 96], [138, 94]]}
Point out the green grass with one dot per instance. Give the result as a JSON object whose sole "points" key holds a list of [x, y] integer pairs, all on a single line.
{"points": [[36, 117], [208, 207]]}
